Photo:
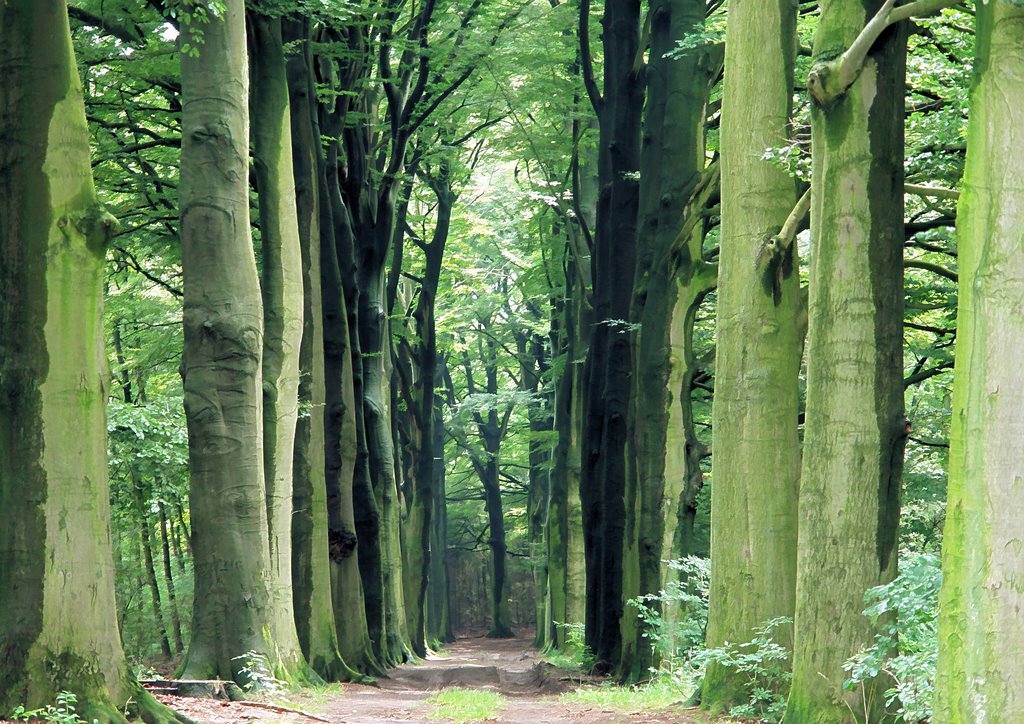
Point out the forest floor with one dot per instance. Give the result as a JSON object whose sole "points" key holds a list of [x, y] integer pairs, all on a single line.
{"points": [[529, 692]]}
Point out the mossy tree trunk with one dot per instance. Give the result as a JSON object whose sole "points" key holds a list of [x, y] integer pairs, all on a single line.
{"points": [[855, 429], [609, 363], [317, 564], [757, 362], [981, 646], [417, 387], [222, 371], [670, 271], [439, 615], [282, 292], [58, 630]]}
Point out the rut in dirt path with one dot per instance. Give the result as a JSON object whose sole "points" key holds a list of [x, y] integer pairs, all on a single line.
{"points": [[505, 666]]}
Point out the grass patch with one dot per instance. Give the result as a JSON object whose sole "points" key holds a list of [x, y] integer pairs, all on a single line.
{"points": [[659, 694], [466, 705]]}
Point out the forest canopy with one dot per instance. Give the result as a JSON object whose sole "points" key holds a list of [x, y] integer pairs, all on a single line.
{"points": [[680, 335]]}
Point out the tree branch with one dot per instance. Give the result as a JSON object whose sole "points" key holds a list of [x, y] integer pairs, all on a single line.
{"points": [[933, 268], [586, 60], [829, 80]]}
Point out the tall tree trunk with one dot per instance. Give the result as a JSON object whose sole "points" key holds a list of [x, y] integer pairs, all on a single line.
{"points": [[757, 361], [222, 364], [314, 572], [854, 430], [345, 363], [422, 408], [282, 292], [981, 649], [58, 628], [669, 270], [609, 364]]}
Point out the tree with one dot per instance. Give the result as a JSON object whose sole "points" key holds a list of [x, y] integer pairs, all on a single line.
{"points": [[282, 297], [609, 362], [233, 612], [756, 466], [330, 613], [855, 428], [981, 650], [671, 281], [58, 630]]}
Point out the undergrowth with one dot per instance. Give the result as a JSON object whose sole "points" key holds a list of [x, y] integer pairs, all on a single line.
{"points": [[464, 706]]}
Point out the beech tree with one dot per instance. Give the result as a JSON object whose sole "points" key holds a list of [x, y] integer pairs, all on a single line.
{"points": [[222, 372], [609, 360], [855, 429], [58, 630], [671, 280], [981, 650], [756, 464]]}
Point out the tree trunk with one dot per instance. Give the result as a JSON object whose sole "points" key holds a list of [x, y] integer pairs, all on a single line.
{"points": [[146, 542], [172, 598], [422, 409], [222, 363], [854, 429], [669, 270], [609, 364], [981, 649], [282, 292], [757, 361], [58, 629], [439, 615], [314, 570]]}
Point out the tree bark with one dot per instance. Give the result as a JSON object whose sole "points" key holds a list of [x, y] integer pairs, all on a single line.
{"points": [[854, 430], [58, 629], [282, 293], [221, 367], [439, 614], [670, 270], [609, 363], [172, 598], [756, 463], [314, 571], [981, 649]]}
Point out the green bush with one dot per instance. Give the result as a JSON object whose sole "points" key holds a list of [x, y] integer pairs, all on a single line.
{"points": [[906, 648], [767, 666], [62, 712]]}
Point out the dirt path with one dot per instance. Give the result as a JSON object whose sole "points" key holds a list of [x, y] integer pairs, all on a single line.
{"points": [[508, 667]]}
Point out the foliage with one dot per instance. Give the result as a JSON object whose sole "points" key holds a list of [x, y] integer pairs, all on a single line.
{"points": [[675, 619], [61, 712], [258, 676], [466, 705], [575, 654], [906, 612], [765, 663]]}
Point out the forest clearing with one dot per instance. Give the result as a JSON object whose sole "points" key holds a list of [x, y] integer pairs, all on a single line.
{"points": [[667, 351]]}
